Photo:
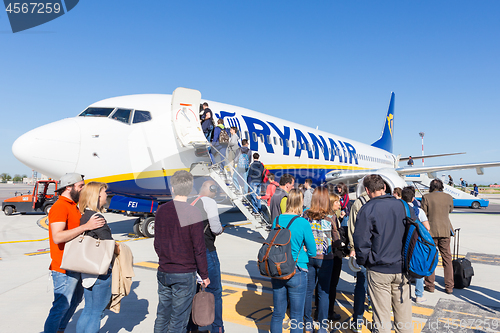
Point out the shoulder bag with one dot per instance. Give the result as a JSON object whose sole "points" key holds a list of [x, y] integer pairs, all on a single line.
{"points": [[86, 254]]}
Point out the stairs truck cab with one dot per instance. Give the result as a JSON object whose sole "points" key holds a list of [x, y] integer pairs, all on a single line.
{"points": [[40, 200]]}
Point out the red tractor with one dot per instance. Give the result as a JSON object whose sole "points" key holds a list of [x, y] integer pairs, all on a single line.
{"points": [[40, 200]]}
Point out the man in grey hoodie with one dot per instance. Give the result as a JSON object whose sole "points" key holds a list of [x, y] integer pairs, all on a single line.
{"points": [[242, 160]]}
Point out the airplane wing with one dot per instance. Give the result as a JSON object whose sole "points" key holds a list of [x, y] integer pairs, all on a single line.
{"points": [[393, 176], [416, 157], [433, 169]]}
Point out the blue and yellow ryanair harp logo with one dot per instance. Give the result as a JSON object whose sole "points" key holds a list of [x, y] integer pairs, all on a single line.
{"points": [[390, 123]]}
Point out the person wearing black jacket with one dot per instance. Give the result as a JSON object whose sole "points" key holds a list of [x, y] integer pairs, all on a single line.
{"points": [[378, 242], [255, 172]]}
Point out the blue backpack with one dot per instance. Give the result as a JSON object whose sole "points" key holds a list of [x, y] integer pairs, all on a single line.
{"points": [[420, 255], [243, 161]]}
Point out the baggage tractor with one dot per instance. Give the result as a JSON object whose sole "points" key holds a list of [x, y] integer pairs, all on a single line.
{"points": [[462, 267]]}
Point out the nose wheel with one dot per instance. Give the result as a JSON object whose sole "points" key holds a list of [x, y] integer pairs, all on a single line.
{"points": [[145, 227]]}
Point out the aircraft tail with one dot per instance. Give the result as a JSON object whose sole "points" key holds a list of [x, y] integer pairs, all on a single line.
{"points": [[387, 138]]}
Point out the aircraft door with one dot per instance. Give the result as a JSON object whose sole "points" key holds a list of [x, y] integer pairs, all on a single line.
{"points": [[185, 118]]}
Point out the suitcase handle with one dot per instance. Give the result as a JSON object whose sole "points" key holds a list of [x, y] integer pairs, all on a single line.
{"points": [[456, 244]]}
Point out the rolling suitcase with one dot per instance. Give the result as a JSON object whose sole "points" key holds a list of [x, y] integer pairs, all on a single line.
{"points": [[462, 267]]}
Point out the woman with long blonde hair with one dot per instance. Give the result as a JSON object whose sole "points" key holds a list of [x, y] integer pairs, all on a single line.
{"points": [[335, 206], [293, 289], [97, 288]]}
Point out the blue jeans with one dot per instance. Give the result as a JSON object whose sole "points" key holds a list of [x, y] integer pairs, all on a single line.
{"points": [[68, 293], [359, 295], [293, 289], [97, 298], [253, 197], [237, 180], [215, 287], [175, 297], [320, 273], [419, 287]]}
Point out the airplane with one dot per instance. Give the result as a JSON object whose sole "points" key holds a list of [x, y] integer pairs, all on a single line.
{"points": [[135, 143]]}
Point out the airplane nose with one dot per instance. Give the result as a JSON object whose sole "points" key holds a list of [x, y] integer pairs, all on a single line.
{"points": [[52, 149]]}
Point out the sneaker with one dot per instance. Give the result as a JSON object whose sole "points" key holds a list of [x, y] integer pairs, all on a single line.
{"points": [[420, 299], [370, 308], [428, 289], [356, 327]]}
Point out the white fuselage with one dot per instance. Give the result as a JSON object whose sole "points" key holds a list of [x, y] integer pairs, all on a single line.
{"points": [[137, 158]]}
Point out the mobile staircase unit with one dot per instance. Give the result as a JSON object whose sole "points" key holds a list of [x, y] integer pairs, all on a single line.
{"points": [[226, 177], [186, 125]]}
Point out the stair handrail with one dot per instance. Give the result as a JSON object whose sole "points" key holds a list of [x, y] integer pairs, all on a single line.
{"points": [[224, 162]]}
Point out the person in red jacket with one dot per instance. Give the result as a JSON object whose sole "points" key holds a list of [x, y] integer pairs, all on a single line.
{"points": [[271, 188]]}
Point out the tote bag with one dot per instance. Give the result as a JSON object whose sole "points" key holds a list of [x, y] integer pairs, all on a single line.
{"points": [[86, 254]]}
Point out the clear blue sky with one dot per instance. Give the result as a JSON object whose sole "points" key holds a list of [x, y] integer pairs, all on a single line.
{"points": [[331, 64]]}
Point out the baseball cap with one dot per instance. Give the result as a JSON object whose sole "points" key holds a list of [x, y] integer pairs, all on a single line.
{"points": [[69, 179]]}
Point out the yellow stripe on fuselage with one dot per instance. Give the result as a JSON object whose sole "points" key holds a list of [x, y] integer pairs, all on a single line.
{"points": [[313, 166], [170, 172], [135, 175]]}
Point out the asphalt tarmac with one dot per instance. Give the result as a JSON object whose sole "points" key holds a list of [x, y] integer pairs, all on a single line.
{"points": [[26, 290]]}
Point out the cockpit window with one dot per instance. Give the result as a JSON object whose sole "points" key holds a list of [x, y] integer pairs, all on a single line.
{"points": [[96, 112], [122, 115], [141, 116]]}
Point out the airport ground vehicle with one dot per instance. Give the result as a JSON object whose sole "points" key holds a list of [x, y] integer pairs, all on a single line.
{"points": [[40, 200], [460, 198]]}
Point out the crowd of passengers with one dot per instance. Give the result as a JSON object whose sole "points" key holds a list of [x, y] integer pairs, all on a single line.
{"points": [[324, 227]]}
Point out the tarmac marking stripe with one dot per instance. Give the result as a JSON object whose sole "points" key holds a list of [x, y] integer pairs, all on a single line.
{"points": [[342, 296], [36, 253], [147, 264], [450, 321], [25, 241], [463, 313], [240, 279], [43, 222], [422, 311], [131, 240], [417, 325], [238, 224]]}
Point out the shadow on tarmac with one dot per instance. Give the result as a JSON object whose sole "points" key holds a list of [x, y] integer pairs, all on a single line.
{"points": [[261, 315], [132, 308], [474, 295], [243, 231], [123, 226]]}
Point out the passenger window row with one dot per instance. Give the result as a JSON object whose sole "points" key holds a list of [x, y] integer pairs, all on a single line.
{"points": [[274, 140]]}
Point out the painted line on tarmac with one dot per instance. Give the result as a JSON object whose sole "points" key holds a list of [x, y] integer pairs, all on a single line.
{"points": [[483, 258], [450, 315], [132, 240], [43, 223], [25, 241], [44, 251], [253, 308]]}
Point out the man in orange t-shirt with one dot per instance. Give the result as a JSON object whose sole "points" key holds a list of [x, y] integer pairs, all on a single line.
{"points": [[64, 225]]}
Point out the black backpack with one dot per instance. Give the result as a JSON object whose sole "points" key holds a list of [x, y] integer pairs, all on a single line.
{"points": [[275, 256]]}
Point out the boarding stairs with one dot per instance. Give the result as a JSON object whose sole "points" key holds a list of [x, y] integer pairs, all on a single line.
{"points": [[186, 124], [224, 174]]}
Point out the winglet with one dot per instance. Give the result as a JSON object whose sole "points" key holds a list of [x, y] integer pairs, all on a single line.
{"points": [[386, 139]]}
